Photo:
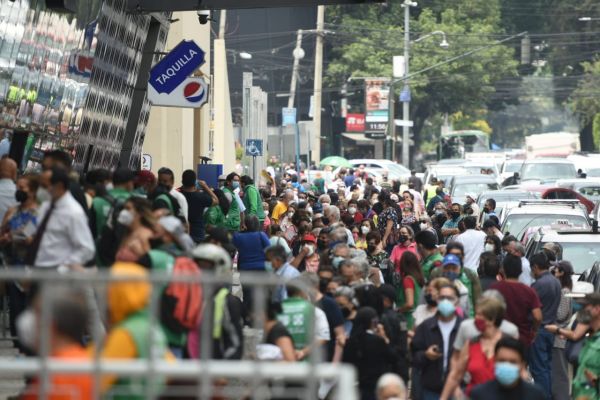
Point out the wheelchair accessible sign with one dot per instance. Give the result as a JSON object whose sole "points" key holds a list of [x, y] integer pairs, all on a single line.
{"points": [[170, 83]]}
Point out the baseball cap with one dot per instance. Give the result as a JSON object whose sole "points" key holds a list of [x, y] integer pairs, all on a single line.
{"points": [[309, 237], [451, 259], [471, 195], [175, 228], [222, 177], [591, 299]]}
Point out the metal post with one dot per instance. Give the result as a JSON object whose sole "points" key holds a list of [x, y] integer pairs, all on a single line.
{"points": [[294, 81], [254, 168], [318, 95], [222, 24], [139, 92], [298, 169], [406, 104]]}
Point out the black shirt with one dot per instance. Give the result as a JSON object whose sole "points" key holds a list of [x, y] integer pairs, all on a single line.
{"points": [[197, 202], [334, 319], [277, 331], [492, 390]]}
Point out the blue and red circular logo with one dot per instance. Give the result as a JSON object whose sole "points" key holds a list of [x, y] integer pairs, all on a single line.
{"points": [[193, 92]]}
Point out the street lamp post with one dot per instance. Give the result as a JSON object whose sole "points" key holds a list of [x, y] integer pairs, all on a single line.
{"points": [[406, 104], [588, 19]]}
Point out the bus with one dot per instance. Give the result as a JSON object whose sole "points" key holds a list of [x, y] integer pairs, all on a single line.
{"points": [[456, 144]]}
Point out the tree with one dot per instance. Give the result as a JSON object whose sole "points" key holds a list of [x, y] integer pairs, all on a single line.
{"points": [[369, 37], [585, 103]]}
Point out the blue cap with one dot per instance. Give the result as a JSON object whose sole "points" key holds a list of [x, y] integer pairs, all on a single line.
{"points": [[451, 259]]}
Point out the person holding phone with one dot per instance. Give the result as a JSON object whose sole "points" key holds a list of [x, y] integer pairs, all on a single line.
{"points": [[433, 342]]}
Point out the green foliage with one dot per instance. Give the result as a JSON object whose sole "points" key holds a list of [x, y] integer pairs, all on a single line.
{"points": [[372, 35], [584, 101]]}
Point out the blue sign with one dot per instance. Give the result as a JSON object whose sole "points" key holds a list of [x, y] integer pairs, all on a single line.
{"points": [[254, 147], [405, 96], [288, 116], [176, 66]]}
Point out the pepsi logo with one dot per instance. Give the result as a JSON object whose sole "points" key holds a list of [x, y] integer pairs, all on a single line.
{"points": [[193, 92]]}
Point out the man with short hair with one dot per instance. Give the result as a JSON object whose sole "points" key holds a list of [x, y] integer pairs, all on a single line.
{"points": [[391, 386], [63, 237], [252, 199], [234, 220], [415, 181], [277, 262], [101, 205], [282, 205], [450, 227], [510, 366], [166, 178], [585, 382], [473, 242], [489, 207], [548, 289], [523, 307], [62, 159], [431, 257], [516, 248], [198, 201]]}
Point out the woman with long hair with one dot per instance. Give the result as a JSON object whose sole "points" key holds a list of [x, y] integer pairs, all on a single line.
{"points": [[409, 288], [368, 349], [216, 215], [140, 224], [387, 221]]}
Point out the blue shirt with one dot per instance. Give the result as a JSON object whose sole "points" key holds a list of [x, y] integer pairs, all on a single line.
{"points": [[4, 147], [251, 250], [548, 290], [286, 273]]}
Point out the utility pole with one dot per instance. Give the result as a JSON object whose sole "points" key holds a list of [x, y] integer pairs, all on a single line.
{"points": [[318, 95], [405, 104], [222, 24], [298, 55]]}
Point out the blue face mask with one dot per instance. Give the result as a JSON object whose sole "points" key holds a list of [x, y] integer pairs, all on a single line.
{"points": [[337, 261], [268, 266], [451, 275], [446, 308], [576, 307], [506, 373], [235, 185]]}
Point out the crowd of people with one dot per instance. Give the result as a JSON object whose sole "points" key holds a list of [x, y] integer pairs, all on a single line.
{"points": [[394, 278]]}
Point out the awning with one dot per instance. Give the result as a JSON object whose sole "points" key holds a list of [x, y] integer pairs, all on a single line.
{"points": [[358, 137]]}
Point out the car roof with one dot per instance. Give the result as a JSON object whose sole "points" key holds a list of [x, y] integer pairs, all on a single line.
{"points": [[569, 236], [549, 207], [549, 160], [474, 179]]}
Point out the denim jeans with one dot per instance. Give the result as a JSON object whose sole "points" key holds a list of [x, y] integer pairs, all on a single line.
{"points": [[540, 361], [429, 395]]}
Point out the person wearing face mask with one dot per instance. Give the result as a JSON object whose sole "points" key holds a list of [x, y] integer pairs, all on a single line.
{"points": [[450, 227], [276, 262], [466, 280], [235, 217], [477, 357], [435, 200], [140, 224], [509, 369], [16, 235], [433, 341], [405, 243], [431, 258], [122, 181], [488, 271], [376, 255], [63, 236], [362, 231], [354, 212], [344, 297]]}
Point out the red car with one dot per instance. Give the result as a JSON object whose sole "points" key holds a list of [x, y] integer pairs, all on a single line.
{"points": [[567, 194]]}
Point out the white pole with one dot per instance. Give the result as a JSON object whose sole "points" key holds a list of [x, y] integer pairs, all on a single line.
{"points": [[294, 81], [318, 97], [406, 104]]}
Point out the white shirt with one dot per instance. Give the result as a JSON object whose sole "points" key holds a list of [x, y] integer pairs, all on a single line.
{"points": [[321, 325], [525, 276], [7, 196], [474, 243], [67, 239], [446, 329], [420, 204], [183, 204]]}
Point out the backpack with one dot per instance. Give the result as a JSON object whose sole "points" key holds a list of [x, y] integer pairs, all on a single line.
{"points": [[112, 233], [181, 303]]}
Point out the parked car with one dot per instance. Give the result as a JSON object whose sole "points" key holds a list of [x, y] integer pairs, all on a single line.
{"points": [[505, 199], [530, 213], [589, 187], [547, 170], [510, 167], [567, 194], [394, 170], [580, 247], [461, 185]]}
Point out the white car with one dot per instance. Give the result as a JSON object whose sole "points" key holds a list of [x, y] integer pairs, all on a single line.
{"points": [[394, 170], [547, 170], [510, 167]]}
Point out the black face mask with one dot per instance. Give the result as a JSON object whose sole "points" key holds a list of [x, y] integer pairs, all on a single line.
{"points": [[455, 214], [371, 248], [321, 245], [486, 210], [156, 243], [323, 284], [429, 300], [20, 196]]}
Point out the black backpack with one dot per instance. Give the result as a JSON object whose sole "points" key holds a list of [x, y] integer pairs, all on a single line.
{"points": [[112, 233]]}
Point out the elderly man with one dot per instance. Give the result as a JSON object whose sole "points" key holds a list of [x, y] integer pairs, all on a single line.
{"points": [[512, 246], [332, 213], [282, 206]]}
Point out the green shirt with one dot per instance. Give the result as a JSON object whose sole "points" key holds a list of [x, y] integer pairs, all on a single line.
{"points": [[253, 203], [589, 360], [297, 317], [433, 261], [214, 217], [401, 300], [101, 207], [232, 219]]}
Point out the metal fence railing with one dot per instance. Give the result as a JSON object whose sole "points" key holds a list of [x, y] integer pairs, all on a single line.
{"points": [[203, 378]]}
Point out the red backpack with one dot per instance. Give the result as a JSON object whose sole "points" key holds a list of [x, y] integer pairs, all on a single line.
{"points": [[181, 305]]}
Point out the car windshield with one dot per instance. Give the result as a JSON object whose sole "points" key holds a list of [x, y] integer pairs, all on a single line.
{"points": [[581, 255], [591, 192], [547, 171], [460, 189], [517, 224], [594, 172], [397, 169], [481, 169], [512, 167], [507, 196]]}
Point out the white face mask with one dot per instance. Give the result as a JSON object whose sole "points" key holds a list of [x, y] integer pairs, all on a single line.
{"points": [[27, 328], [489, 247], [309, 209], [110, 186], [125, 218], [423, 226], [352, 210], [365, 230], [325, 206], [43, 195], [290, 215]]}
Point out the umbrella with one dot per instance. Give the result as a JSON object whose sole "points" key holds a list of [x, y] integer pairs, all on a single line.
{"points": [[336, 161]]}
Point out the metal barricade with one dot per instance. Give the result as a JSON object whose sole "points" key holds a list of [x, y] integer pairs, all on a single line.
{"points": [[204, 378]]}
